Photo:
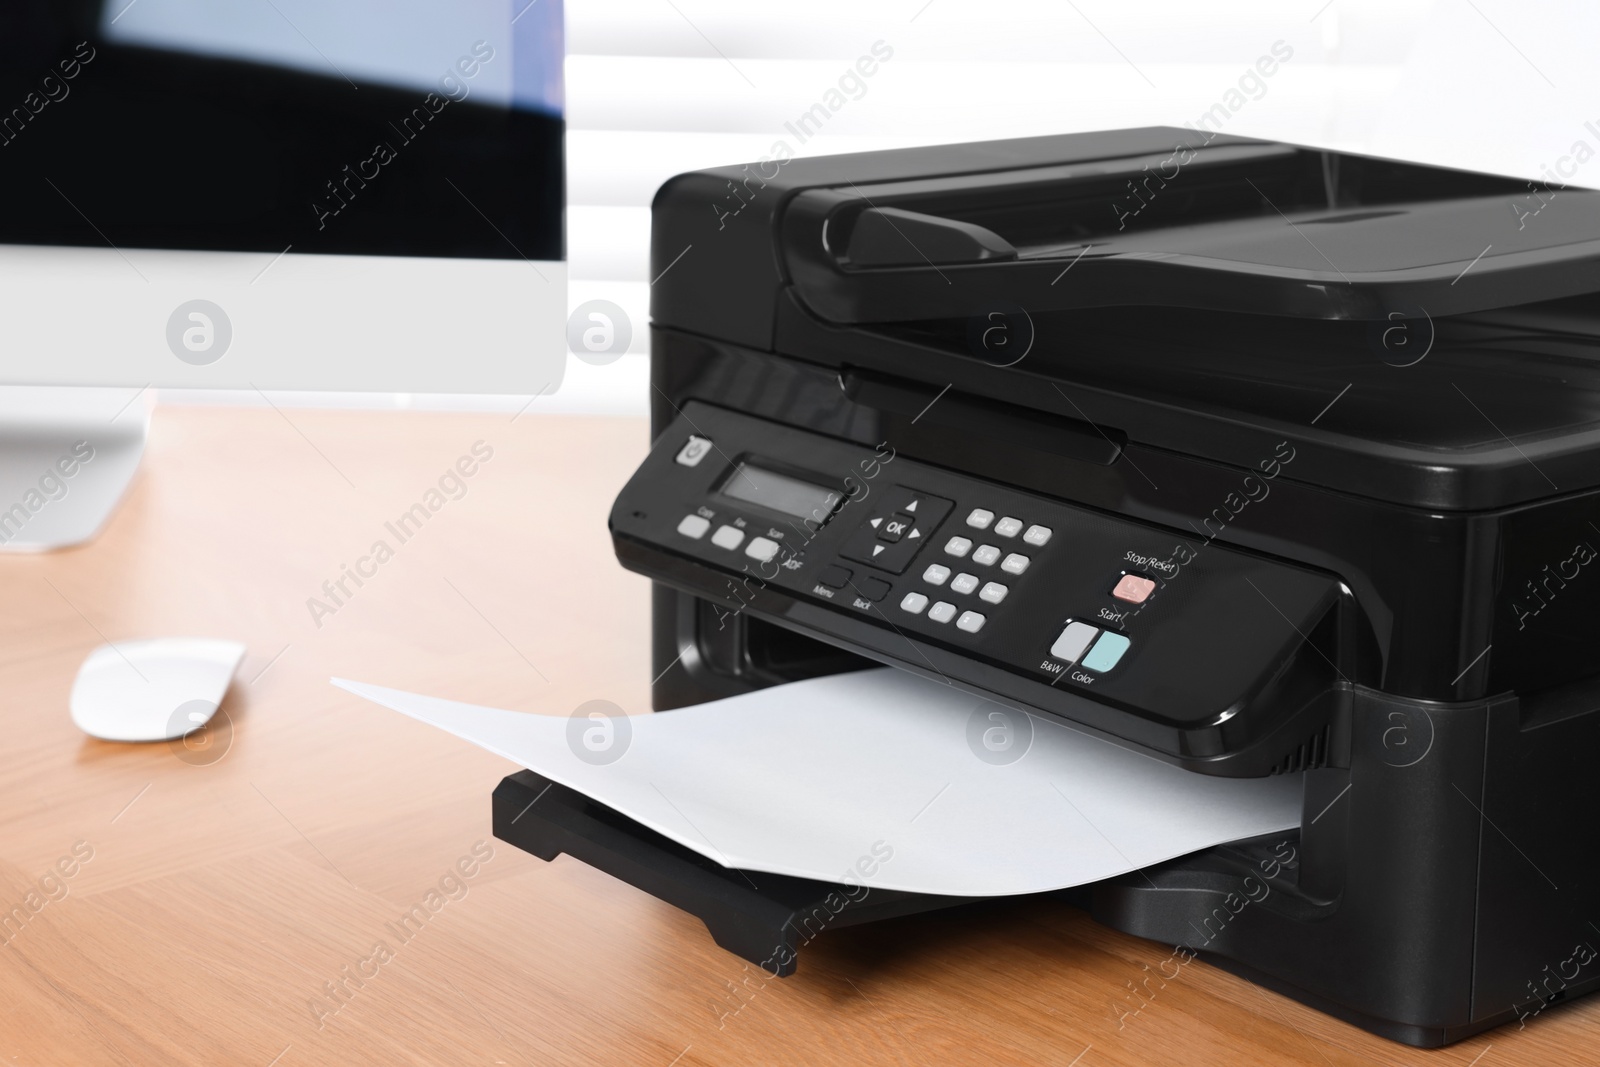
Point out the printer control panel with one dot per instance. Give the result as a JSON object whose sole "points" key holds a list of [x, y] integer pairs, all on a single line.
{"points": [[957, 576]]}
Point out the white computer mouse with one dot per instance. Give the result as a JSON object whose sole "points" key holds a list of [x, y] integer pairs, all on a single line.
{"points": [[152, 690]]}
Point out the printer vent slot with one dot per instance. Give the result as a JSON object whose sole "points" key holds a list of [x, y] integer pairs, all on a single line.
{"points": [[1311, 754]]}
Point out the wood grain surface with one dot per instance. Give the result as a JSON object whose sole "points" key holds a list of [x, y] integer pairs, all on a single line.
{"points": [[241, 898]]}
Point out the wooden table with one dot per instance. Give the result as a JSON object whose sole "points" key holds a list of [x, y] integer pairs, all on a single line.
{"points": [[236, 893]]}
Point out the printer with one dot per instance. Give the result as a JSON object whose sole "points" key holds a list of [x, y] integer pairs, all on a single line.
{"points": [[1254, 458]]}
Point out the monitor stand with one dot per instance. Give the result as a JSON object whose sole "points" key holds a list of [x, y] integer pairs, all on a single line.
{"points": [[67, 455]]}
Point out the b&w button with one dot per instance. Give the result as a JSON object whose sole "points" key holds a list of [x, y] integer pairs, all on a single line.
{"points": [[943, 611], [1015, 563], [970, 621], [936, 574], [1073, 641], [986, 555], [1008, 527], [964, 583]]}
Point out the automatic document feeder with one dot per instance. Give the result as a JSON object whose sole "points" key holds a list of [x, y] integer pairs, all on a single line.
{"points": [[1257, 459]]}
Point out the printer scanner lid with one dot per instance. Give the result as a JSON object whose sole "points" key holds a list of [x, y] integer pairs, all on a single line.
{"points": [[1245, 226], [1193, 292]]}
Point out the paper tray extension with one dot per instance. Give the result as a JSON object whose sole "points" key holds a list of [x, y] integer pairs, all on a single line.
{"points": [[762, 918]]}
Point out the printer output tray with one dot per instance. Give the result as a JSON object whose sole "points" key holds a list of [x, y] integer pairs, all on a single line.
{"points": [[762, 918], [767, 919]]}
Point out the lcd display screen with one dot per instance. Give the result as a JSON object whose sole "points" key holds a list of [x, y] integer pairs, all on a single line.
{"points": [[780, 493]]}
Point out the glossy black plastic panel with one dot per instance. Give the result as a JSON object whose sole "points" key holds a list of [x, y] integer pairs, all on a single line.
{"points": [[1491, 416], [1436, 890], [723, 222], [1231, 661], [1477, 385], [1296, 232], [1428, 584]]}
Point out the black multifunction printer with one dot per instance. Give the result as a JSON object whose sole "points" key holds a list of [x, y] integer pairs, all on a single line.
{"points": [[1255, 458]]}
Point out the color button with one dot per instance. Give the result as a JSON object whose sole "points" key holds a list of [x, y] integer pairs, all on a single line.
{"points": [[1073, 640], [1134, 589], [728, 537], [914, 603], [1106, 652], [694, 526]]}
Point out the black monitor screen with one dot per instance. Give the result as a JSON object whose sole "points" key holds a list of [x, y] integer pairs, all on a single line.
{"points": [[374, 127]]}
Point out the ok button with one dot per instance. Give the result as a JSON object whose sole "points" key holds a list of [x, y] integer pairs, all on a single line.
{"points": [[895, 528]]}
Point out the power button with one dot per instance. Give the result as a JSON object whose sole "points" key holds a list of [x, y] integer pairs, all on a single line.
{"points": [[693, 451]]}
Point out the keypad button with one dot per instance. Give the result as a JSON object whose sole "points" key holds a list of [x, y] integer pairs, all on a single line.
{"points": [[1038, 536], [914, 603], [1008, 527], [936, 574], [979, 519], [761, 549], [728, 537], [1134, 588], [1016, 563], [970, 621], [873, 589], [986, 555], [957, 547], [1106, 652], [964, 583], [834, 576], [993, 592], [693, 451], [943, 611], [694, 526], [1073, 640]]}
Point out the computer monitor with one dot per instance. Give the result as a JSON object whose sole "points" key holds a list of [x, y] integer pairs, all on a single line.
{"points": [[331, 195]]}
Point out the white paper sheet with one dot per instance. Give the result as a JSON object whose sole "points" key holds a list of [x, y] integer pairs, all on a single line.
{"points": [[883, 779]]}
